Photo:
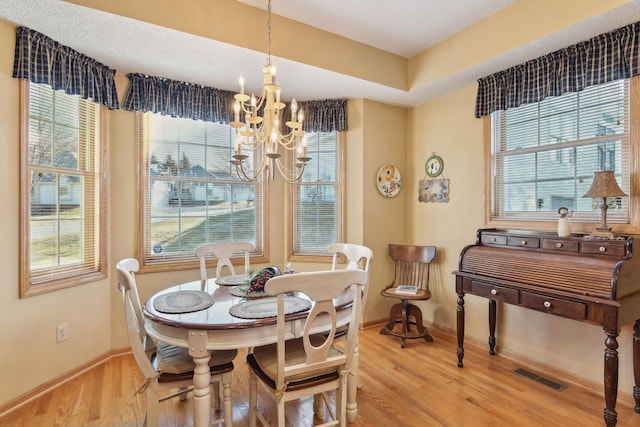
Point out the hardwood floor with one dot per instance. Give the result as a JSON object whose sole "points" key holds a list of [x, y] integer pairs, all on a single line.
{"points": [[417, 386]]}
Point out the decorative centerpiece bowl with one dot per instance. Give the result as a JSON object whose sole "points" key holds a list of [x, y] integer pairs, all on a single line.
{"points": [[254, 287]]}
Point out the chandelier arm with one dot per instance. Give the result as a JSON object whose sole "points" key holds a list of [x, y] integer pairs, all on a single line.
{"points": [[285, 172], [244, 176], [243, 173]]}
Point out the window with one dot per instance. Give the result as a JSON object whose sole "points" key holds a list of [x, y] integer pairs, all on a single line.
{"points": [[63, 191], [543, 155], [317, 198], [190, 193]]}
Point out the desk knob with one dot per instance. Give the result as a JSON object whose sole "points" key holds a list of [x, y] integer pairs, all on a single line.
{"points": [[493, 239], [602, 249], [523, 242], [558, 245], [494, 292], [547, 304]]}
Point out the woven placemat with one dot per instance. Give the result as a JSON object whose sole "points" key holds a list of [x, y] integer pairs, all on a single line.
{"points": [[268, 307], [183, 301], [241, 291], [238, 279]]}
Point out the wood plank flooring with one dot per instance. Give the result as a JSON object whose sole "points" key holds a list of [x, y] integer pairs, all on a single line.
{"points": [[417, 386]]}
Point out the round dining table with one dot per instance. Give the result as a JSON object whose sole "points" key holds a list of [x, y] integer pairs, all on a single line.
{"points": [[211, 326]]}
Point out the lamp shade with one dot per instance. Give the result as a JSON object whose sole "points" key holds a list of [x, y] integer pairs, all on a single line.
{"points": [[604, 185]]}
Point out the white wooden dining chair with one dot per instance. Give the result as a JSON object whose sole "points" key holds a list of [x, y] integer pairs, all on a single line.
{"points": [[311, 364], [168, 369], [357, 257], [223, 251]]}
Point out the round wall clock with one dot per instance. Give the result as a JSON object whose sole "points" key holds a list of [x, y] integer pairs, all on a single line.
{"points": [[388, 180], [434, 166]]}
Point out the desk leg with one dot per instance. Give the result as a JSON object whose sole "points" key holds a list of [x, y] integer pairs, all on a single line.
{"points": [[636, 364], [610, 378], [460, 328], [492, 327], [201, 378]]}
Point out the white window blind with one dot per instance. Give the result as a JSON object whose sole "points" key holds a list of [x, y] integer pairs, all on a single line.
{"points": [[191, 193], [317, 198], [61, 192], [544, 155]]}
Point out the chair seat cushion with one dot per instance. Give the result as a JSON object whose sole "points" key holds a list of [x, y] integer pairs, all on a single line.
{"points": [[172, 359], [421, 294], [265, 358]]}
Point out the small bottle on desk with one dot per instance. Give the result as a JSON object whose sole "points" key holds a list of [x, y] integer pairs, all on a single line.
{"points": [[564, 226]]}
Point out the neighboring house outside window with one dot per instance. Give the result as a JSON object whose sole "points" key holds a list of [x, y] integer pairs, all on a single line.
{"points": [[317, 200], [190, 194], [543, 156], [63, 191]]}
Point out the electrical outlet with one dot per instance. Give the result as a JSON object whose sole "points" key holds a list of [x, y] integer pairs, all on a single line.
{"points": [[63, 334]]}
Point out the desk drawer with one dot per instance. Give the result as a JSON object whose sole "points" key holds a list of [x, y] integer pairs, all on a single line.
{"points": [[524, 242], [494, 239], [604, 248], [560, 245], [493, 292], [570, 309]]}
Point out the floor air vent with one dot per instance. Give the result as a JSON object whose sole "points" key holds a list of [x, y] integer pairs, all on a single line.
{"points": [[542, 380]]}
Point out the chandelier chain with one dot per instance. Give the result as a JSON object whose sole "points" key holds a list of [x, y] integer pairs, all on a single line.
{"points": [[269, 32], [269, 149]]}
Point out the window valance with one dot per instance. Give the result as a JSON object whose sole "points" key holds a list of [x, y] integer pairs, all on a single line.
{"points": [[40, 59], [326, 115], [607, 57], [178, 99], [188, 100]]}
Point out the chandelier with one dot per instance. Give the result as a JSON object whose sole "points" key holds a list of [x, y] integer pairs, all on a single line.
{"points": [[261, 132]]}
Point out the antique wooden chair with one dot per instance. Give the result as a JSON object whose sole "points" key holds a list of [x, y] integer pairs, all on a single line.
{"points": [[311, 364], [223, 251], [410, 283], [168, 369]]}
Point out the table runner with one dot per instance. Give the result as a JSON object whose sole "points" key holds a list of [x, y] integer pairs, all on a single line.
{"points": [[182, 301], [268, 307]]}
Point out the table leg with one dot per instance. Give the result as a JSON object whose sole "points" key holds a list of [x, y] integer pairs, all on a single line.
{"points": [[201, 378], [610, 378], [492, 326], [460, 328]]}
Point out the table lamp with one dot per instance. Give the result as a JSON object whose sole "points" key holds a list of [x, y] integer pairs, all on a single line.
{"points": [[604, 185]]}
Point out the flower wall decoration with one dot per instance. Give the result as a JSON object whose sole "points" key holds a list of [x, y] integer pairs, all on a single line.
{"points": [[388, 180], [433, 190]]}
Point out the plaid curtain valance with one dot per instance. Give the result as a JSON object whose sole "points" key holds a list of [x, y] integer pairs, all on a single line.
{"points": [[604, 58], [188, 100], [326, 115], [178, 99], [40, 59]]}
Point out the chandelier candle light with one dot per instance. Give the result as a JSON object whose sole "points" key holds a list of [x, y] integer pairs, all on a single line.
{"points": [[262, 135]]}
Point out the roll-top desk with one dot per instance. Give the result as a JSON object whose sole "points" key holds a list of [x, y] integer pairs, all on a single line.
{"points": [[589, 280]]}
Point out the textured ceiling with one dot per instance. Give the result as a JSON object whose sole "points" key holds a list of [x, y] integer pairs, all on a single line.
{"points": [[404, 27]]}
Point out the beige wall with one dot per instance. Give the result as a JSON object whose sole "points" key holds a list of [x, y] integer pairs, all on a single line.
{"points": [[378, 134], [31, 355]]}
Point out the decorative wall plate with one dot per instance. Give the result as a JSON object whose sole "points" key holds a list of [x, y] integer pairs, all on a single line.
{"points": [[434, 166], [388, 180]]}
